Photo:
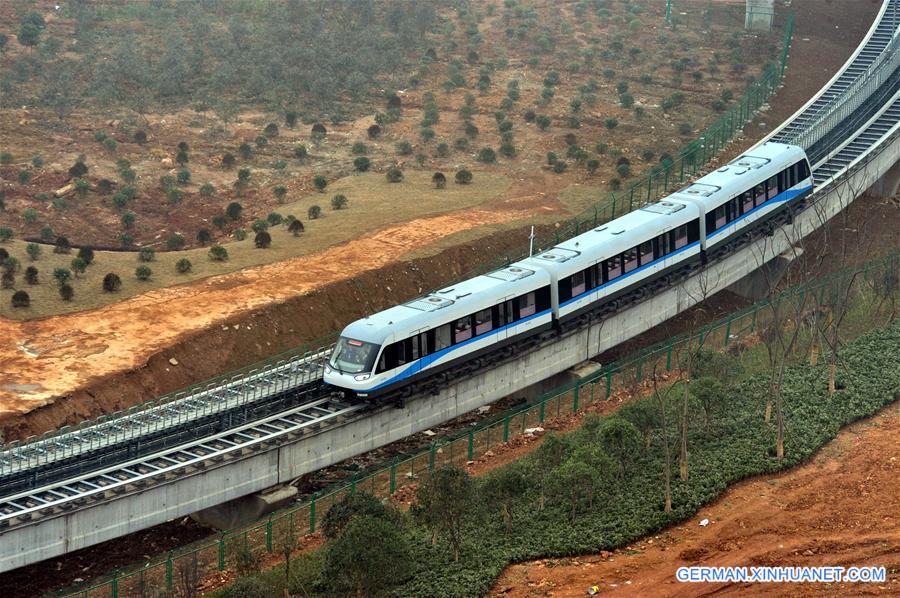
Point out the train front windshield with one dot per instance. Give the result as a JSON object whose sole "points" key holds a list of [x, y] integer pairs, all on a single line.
{"points": [[352, 356]]}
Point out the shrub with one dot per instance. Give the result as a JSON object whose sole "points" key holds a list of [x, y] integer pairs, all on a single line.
{"points": [[463, 177], [79, 266], [259, 225], [110, 144], [543, 121], [143, 272], [339, 202], [66, 292], [239, 234], [234, 210], [320, 182], [11, 264], [263, 240], [207, 190], [615, 184], [361, 164], [373, 131], [559, 166], [21, 299], [624, 170], [6, 158], [99, 136], [204, 237], [112, 282], [314, 212], [79, 169], [217, 253], [245, 151], [82, 187], [627, 100], [261, 141], [461, 143], [140, 137], [394, 175], [62, 245], [647, 155], [359, 148], [404, 148], [24, 176], [46, 233], [295, 227], [271, 130], [62, 275], [183, 266], [592, 165], [279, 191], [30, 215], [146, 254], [33, 250], [439, 180], [300, 152], [31, 275], [612, 123], [684, 129], [486, 155], [184, 176]]}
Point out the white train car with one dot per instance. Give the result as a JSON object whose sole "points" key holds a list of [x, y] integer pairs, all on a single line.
{"points": [[608, 262], [423, 337]]}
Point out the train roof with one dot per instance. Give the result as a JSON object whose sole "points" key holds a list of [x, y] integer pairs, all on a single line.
{"points": [[751, 168], [618, 235], [449, 303]]}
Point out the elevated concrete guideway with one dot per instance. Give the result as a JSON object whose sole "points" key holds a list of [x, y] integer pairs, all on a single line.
{"points": [[280, 447]]}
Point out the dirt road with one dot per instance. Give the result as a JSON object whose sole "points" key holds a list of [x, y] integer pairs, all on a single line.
{"points": [[840, 509]]}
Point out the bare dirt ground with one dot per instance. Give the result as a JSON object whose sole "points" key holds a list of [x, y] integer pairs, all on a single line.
{"points": [[779, 520]]}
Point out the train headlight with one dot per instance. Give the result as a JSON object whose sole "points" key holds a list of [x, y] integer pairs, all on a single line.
{"points": [[361, 377], [327, 369]]}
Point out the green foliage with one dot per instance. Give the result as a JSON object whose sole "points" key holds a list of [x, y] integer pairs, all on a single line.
{"points": [[314, 212], [442, 503], [463, 177], [262, 240], [217, 253], [620, 438], [370, 555], [79, 265], [339, 202], [486, 155], [33, 250], [394, 175], [62, 275], [362, 164], [350, 507], [611, 123], [31, 275], [66, 292], [183, 266], [143, 273], [320, 182], [207, 190], [147, 254], [234, 210]]}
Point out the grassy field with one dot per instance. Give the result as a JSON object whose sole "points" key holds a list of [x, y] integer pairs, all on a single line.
{"points": [[372, 204]]}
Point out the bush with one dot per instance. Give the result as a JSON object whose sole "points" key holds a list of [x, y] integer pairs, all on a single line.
{"points": [[62, 245], [183, 266], [6, 233], [24, 176], [373, 131], [112, 283], [439, 180], [143, 272], [261, 141], [247, 587], [245, 151], [543, 121], [463, 177], [300, 152], [146, 254], [31, 275], [615, 184], [612, 123], [204, 237], [234, 210], [320, 182], [486, 155], [46, 233], [559, 166], [62, 275], [79, 169], [592, 165], [33, 250], [684, 129], [79, 266], [624, 170], [175, 242], [394, 175], [207, 190], [271, 130], [262, 240], [21, 299], [259, 225], [461, 143], [339, 202], [30, 215], [217, 253], [140, 137], [359, 148], [295, 227], [404, 148], [66, 292], [184, 176], [314, 212], [362, 164]]}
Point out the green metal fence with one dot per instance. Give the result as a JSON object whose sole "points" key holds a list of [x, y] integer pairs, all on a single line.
{"points": [[164, 572]]}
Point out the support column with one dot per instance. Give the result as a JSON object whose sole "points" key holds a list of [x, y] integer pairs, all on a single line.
{"points": [[887, 185]]}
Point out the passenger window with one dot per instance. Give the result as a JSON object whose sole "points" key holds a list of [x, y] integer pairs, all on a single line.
{"points": [[442, 338], [527, 306], [613, 268], [462, 330], [719, 216], [791, 181], [630, 259], [483, 322], [578, 284], [681, 236], [664, 247], [747, 201], [414, 346], [646, 252], [772, 188], [759, 192]]}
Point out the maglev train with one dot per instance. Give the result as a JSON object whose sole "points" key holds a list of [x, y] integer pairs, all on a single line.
{"points": [[419, 344]]}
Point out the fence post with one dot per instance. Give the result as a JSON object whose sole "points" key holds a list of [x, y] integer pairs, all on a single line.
{"points": [[471, 451], [169, 576], [608, 383], [115, 584], [269, 534], [221, 551], [669, 358], [541, 411], [613, 215], [575, 396], [312, 514], [431, 456], [506, 429], [353, 484], [753, 320], [727, 332], [640, 367], [393, 485]]}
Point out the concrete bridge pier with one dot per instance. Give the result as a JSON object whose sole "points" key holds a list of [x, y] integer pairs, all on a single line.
{"points": [[756, 285], [246, 509], [887, 185], [759, 15]]}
